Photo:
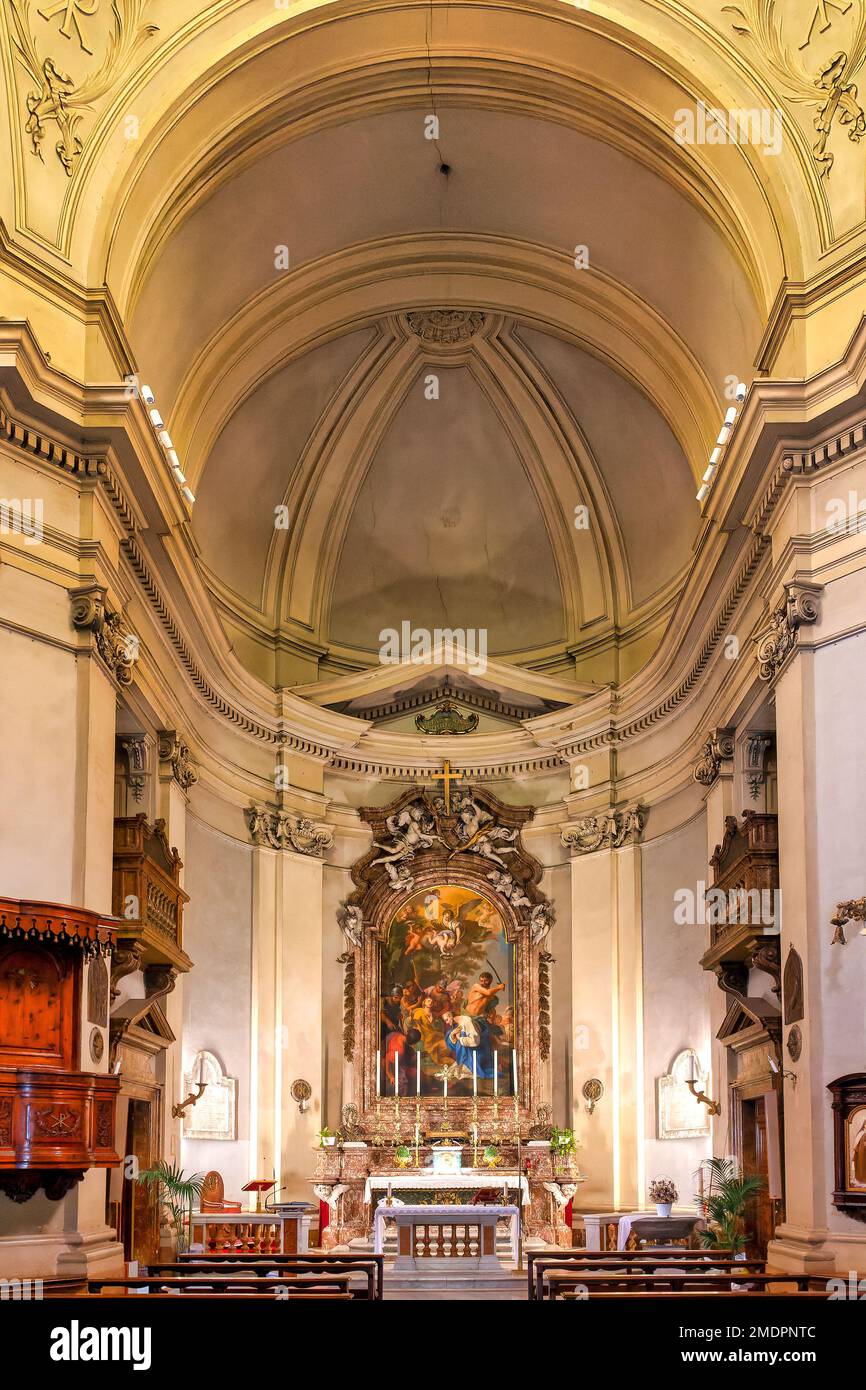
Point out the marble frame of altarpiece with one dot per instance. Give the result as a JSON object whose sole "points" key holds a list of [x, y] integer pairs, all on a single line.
{"points": [[379, 900]]}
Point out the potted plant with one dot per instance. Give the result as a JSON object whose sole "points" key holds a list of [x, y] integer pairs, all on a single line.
{"points": [[725, 1203], [326, 1138], [562, 1146], [491, 1155], [403, 1155], [663, 1192], [177, 1196]]}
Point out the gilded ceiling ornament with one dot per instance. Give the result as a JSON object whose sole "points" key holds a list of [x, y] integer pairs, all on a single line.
{"points": [[719, 748], [800, 608], [445, 325], [58, 97], [282, 830], [116, 644], [446, 719], [832, 89], [609, 830]]}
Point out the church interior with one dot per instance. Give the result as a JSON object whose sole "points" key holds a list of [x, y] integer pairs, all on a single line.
{"points": [[433, 640]]}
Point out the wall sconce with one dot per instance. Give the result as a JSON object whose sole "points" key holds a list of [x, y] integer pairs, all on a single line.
{"points": [[194, 1096], [781, 1071], [300, 1093], [593, 1090], [854, 910], [714, 1106]]}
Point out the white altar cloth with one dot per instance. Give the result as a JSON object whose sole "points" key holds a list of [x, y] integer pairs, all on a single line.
{"points": [[422, 1180], [482, 1213]]}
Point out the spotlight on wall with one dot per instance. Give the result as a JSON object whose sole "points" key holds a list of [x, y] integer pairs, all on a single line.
{"points": [[781, 1071]]}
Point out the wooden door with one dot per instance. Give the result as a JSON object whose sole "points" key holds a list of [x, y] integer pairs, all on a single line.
{"points": [[759, 1223]]}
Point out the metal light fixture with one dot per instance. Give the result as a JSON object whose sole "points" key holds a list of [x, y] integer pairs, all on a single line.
{"points": [[854, 910], [593, 1090], [301, 1092]]}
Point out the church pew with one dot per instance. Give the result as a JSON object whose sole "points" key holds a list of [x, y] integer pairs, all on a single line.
{"points": [[640, 1259], [220, 1284], [575, 1296], [310, 1295], [287, 1265], [568, 1278], [312, 1257]]}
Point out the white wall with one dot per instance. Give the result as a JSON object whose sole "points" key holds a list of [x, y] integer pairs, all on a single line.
{"points": [[217, 991], [675, 991]]}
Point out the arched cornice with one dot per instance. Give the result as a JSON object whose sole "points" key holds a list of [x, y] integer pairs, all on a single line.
{"points": [[358, 286], [546, 79]]}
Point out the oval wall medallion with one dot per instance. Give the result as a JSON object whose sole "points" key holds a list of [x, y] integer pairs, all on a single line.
{"points": [[97, 1044], [795, 1043]]}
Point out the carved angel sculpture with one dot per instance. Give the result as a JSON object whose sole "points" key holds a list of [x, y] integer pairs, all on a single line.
{"points": [[351, 919]]}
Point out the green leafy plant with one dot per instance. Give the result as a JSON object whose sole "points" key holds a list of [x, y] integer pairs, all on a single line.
{"points": [[325, 1133], [562, 1141], [491, 1155], [725, 1204], [177, 1195]]}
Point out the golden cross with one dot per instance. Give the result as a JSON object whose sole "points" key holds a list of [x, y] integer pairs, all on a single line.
{"points": [[447, 777]]}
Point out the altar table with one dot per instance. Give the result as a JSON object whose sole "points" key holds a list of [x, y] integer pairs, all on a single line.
{"points": [[422, 1180], [464, 1233]]}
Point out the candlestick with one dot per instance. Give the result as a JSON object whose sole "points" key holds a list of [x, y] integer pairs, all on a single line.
{"points": [[514, 1068], [396, 1074], [378, 1073], [496, 1073], [474, 1074], [418, 1073]]}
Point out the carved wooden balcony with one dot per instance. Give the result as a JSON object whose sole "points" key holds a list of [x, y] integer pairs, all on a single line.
{"points": [[746, 871], [146, 893]]}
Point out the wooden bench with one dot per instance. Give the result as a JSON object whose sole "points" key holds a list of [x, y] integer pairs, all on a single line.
{"points": [[220, 1284], [686, 1294], [260, 1268], [612, 1258], [312, 1257], [699, 1281]]}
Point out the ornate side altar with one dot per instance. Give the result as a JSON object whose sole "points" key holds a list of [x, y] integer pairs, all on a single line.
{"points": [[446, 1027]]}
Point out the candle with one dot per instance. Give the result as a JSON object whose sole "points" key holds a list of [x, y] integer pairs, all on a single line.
{"points": [[396, 1074], [378, 1073], [445, 1086], [474, 1074], [514, 1068], [418, 1073], [496, 1073]]}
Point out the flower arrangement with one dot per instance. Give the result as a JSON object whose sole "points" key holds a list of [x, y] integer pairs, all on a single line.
{"points": [[562, 1141], [491, 1155], [663, 1192]]}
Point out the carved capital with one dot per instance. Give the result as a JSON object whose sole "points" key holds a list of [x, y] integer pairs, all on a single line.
{"points": [[175, 759], [115, 642], [800, 608], [608, 830], [136, 750], [718, 749], [282, 830]]}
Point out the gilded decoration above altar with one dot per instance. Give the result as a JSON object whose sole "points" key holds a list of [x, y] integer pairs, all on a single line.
{"points": [[446, 985]]}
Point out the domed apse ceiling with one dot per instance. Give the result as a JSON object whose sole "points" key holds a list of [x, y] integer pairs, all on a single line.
{"points": [[456, 511]]}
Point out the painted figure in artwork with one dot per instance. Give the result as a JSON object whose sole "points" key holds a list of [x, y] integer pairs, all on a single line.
{"points": [[858, 1149], [447, 992]]}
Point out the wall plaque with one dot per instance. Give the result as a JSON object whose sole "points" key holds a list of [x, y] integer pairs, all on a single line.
{"points": [[680, 1116], [214, 1115]]}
